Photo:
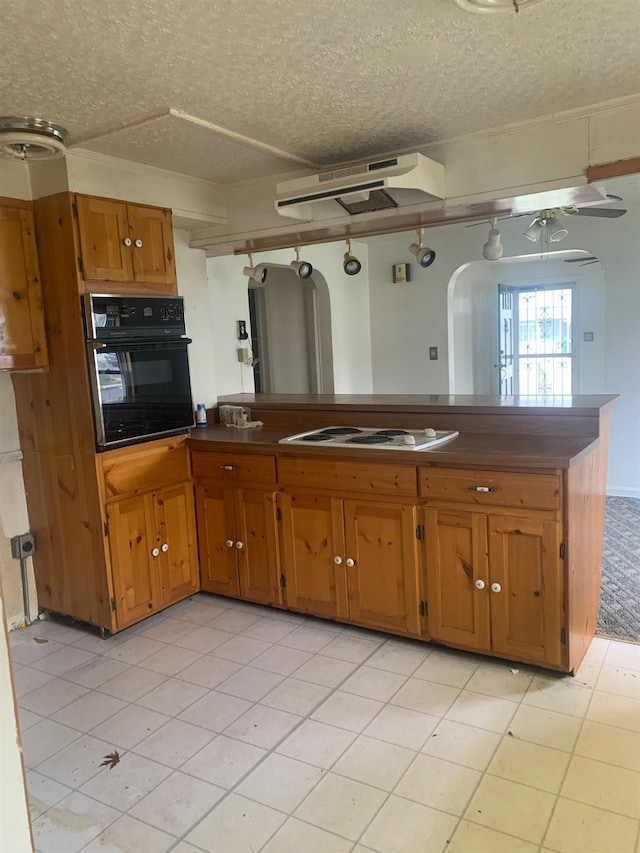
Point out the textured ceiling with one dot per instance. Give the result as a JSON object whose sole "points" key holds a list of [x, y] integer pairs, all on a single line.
{"points": [[323, 82]]}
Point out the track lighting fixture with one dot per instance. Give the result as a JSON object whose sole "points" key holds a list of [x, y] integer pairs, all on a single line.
{"points": [[493, 248], [302, 269], [424, 255], [258, 273], [351, 265]]}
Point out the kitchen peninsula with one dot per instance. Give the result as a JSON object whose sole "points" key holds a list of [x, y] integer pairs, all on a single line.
{"points": [[490, 542]]}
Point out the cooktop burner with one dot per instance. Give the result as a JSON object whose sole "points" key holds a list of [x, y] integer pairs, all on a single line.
{"points": [[372, 437]]}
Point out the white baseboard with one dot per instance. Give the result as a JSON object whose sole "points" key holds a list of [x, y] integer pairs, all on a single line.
{"points": [[623, 492]]}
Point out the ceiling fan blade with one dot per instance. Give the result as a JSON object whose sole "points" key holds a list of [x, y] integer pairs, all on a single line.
{"points": [[584, 259], [603, 212]]}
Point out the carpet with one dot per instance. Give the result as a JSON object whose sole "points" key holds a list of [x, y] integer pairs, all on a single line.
{"points": [[619, 615]]}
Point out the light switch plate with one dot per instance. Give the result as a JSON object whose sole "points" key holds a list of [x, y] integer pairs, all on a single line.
{"points": [[401, 273]]}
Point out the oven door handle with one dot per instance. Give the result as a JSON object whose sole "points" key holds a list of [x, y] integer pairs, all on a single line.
{"points": [[135, 344]]}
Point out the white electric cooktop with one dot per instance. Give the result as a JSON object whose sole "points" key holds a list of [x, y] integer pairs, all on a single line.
{"points": [[368, 438]]}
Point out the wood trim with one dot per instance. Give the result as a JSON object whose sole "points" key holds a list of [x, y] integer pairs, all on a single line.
{"points": [[20, 203], [613, 170]]}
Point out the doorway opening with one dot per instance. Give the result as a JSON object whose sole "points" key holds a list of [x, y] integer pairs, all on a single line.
{"points": [[536, 345]]}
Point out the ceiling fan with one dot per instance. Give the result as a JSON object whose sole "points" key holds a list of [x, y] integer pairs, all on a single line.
{"points": [[549, 220]]}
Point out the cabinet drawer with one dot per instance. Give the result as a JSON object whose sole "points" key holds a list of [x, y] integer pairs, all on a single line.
{"points": [[144, 467], [231, 468], [491, 488], [377, 479]]}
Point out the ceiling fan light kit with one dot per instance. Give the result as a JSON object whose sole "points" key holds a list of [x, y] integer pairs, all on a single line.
{"points": [[28, 138], [494, 7]]}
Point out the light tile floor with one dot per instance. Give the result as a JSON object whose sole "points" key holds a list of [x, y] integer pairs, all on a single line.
{"points": [[240, 728]]}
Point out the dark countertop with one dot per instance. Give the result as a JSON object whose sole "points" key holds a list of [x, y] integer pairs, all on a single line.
{"points": [[468, 449]]}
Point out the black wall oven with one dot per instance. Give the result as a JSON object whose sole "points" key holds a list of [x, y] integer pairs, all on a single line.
{"points": [[138, 367]]}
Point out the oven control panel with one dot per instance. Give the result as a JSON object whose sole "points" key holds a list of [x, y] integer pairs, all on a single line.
{"points": [[126, 317]]}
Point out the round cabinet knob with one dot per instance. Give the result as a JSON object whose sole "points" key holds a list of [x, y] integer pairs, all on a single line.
{"points": [[239, 545], [165, 548], [155, 552], [350, 562], [229, 543], [337, 560], [127, 241], [480, 584], [495, 587], [138, 244]]}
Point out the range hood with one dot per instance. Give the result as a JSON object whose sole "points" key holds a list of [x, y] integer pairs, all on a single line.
{"points": [[363, 188]]}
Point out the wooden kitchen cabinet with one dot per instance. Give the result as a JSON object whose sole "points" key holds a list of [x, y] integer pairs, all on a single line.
{"points": [[494, 573], [22, 331], [126, 244]]}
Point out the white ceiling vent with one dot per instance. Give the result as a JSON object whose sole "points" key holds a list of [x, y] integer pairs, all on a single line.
{"points": [[363, 188], [23, 138]]}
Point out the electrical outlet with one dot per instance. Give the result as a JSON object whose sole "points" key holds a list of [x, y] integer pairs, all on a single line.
{"points": [[401, 273], [243, 335], [433, 353]]}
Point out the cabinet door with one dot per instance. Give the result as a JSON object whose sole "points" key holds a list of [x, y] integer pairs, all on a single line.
{"points": [[175, 532], [312, 539], [527, 604], [256, 545], [381, 541], [456, 558], [103, 231], [215, 515], [134, 567], [22, 335], [153, 260]]}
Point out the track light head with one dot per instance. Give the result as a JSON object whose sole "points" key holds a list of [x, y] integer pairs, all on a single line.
{"points": [[302, 269], [351, 265], [258, 273], [493, 248], [424, 255]]}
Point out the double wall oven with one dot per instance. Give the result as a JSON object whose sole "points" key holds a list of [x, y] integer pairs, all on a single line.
{"points": [[138, 367]]}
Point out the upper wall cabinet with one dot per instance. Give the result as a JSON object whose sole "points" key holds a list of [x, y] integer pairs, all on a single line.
{"points": [[126, 244], [22, 335]]}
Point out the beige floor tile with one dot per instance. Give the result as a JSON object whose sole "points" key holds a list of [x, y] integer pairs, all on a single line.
{"points": [[298, 837], [296, 697], [71, 824], [77, 763], [174, 743], [224, 761], [178, 803], [396, 656], [269, 629], [446, 669], [462, 744], [587, 674], [209, 671], [317, 744], [577, 828], [172, 697], [30, 652], [262, 726], [129, 726], [96, 672], [281, 660], [402, 726], [64, 660], [438, 784], [89, 711], [241, 649], [626, 655], [609, 708], [610, 744], [134, 650], [185, 847], [485, 712], [558, 694], [44, 740], [236, 825], [530, 764], [473, 838], [502, 681], [511, 808], [280, 782], [307, 639], [603, 785], [402, 826], [347, 711], [215, 711], [250, 683], [352, 649], [233, 621], [28, 719], [27, 679], [374, 762], [598, 649], [325, 671], [624, 682], [128, 835], [171, 661], [127, 783], [43, 793], [548, 728], [426, 697], [204, 639], [374, 683], [167, 630], [52, 696], [133, 684], [341, 805], [196, 612]]}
